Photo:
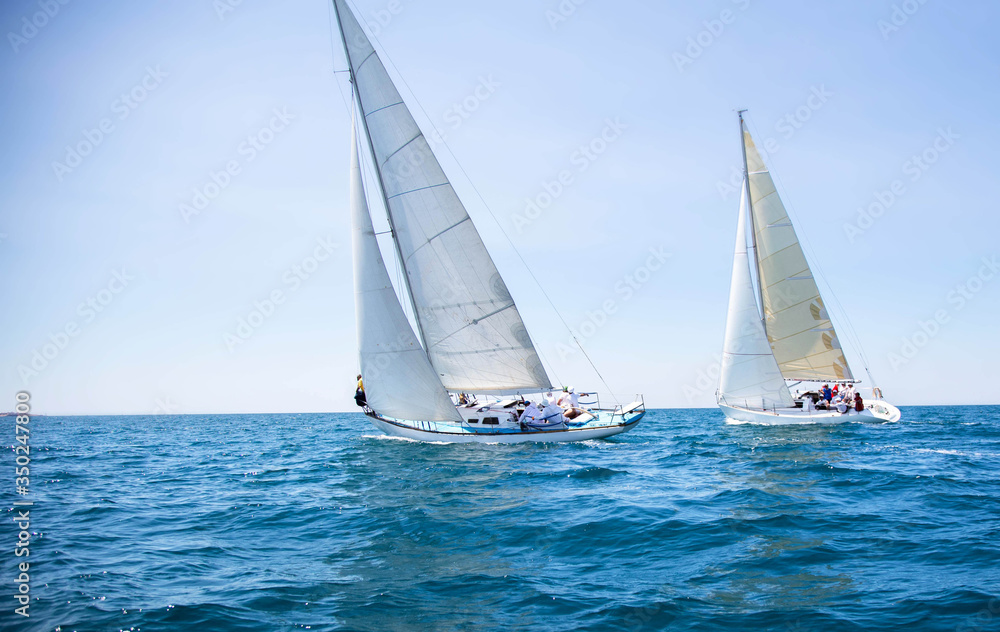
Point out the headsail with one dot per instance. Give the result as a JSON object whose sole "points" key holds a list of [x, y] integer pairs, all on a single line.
{"points": [[750, 375], [798, 325], [399, 381], [471, 328]]}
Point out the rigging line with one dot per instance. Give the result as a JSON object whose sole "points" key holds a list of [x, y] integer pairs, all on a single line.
{"points": [[340, 89], [356, 93], [851, 331], [495, 220], [333, 58], [367, 183], [366, 170]]}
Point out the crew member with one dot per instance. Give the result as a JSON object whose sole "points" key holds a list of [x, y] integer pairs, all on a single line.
{"points": [[359, 395], [552, 414], [530, 413]]}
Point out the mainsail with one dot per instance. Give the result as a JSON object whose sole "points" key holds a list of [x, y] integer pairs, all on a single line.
{"points": [[399, 381], [471, 329], [750, 375], [798, 326]]}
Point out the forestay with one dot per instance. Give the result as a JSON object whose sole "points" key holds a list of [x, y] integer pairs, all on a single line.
{"points": [[798, 326], [750, 375], [399, 380], [471, 328]]}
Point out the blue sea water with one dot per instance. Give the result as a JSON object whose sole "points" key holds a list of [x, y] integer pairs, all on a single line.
{"points": [[295, 522]]}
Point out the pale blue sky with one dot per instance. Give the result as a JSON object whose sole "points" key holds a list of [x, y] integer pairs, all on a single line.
{"points": [[212, 81]]}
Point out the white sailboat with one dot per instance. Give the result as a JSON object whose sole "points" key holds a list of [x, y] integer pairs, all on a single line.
{"points": [[469, 336], [778, 332]]}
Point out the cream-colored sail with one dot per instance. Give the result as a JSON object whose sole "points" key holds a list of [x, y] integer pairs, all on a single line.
{"points": [[399, 381], [749, 375], [471, 328], [797, 323]]}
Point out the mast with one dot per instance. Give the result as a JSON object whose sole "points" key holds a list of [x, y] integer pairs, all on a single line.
{"points": [[378, 176], [753, 226]]}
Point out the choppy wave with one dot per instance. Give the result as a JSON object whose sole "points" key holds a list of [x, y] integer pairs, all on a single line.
{"points": [[293, 522]]}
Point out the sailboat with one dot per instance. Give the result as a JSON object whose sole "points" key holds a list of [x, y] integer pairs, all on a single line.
{"points": [[470, 342], [779, 334]]}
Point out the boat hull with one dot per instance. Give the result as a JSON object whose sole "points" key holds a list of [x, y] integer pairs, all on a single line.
{"points": [[878, 410], [606, 424]]}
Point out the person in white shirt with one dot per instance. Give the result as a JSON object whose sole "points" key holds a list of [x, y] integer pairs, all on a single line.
{"points": [[552, 414], [563, 399], [849, 394], [807, 404], [570, 402], [530, 413]]}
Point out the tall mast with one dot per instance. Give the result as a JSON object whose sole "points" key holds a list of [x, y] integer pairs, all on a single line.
{"points": [[378, 176], [753, 225]]}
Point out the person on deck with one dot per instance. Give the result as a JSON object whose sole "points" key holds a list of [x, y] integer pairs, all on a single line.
{"points": [[551, 414], [827, 393], [359, 395], [569, 401], [859, 404], [563, 399], [849, 394], [530, 413]]}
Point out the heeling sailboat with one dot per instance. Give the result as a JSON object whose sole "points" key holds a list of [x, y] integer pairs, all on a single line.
{"points": [[778, 330], [470, 337]]}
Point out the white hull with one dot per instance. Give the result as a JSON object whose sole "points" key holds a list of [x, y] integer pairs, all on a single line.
{"points": [[877, 410], [606, 425]]}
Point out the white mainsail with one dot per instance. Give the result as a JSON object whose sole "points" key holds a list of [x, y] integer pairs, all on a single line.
{"points": [[798, 326], [399, 380], [750, 374], [471, 329]]}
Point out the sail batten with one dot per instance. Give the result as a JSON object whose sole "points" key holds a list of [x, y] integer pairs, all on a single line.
{"points": [[798, 326], [453, 282]]}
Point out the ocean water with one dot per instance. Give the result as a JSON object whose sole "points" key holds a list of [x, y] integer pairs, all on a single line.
{"points": [[295, 522]]}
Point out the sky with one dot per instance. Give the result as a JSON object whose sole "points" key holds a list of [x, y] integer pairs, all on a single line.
{"points": [[174, 223]]}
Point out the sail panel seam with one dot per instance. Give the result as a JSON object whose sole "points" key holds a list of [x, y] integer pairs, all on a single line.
{"points": [[391, 105]]}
